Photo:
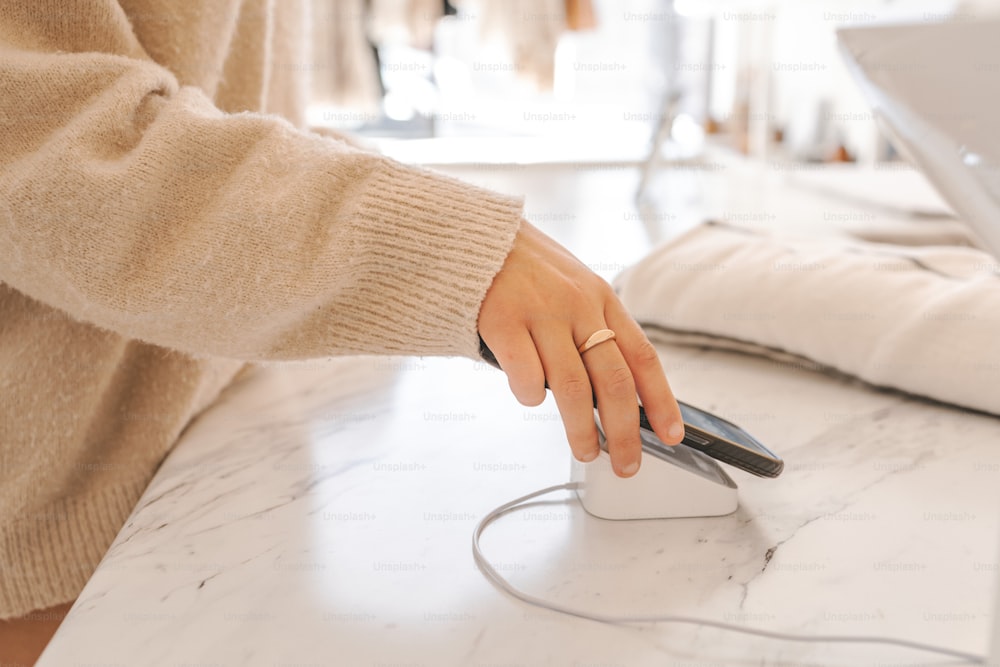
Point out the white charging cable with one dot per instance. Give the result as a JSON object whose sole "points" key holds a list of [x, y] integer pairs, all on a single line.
{"points": [[498, 580]]}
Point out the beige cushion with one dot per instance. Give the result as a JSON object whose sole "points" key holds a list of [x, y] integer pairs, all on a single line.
{"points": [[924, 320]]}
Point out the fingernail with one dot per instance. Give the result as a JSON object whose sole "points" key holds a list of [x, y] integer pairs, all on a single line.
{"points": [[589, 456], [631, 468], [676, 430]]}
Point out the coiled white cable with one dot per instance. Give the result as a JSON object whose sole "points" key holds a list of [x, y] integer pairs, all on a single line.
{"points": [[500, 582]]}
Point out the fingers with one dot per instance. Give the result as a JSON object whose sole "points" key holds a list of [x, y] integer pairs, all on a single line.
{"points": [[567, 378], [515, 352], [617, 404], [657, 398], [576, 379]]}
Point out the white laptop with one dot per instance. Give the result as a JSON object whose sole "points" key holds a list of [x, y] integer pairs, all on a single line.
{"points": [[935, 88]]}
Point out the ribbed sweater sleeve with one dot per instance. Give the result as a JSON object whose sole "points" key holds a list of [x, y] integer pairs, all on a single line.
{"points": [[131, 202]]}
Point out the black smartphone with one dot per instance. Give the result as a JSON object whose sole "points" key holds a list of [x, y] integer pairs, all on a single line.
{"points": [[716, 437], [723, 441]]}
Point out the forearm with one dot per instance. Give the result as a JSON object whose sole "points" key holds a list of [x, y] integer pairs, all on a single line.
{"points": [[136, 205]]}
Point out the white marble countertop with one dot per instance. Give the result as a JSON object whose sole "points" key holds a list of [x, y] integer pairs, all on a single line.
{"points": [[321, 514], [300, 523]]}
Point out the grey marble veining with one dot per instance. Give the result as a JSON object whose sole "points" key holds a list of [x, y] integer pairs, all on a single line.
{"points": [[321, 515]]}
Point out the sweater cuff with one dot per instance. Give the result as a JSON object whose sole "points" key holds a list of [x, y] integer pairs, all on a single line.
{"points": [[427, 249]]}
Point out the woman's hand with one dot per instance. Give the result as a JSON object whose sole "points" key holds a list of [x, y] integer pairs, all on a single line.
{"points": [[542, 305]]}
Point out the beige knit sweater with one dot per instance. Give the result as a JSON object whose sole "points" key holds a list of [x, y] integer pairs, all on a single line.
{"points": [[160, 225]]}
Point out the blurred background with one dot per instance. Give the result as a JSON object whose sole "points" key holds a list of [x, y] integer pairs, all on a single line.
{"points": [[598, 80], [625, 122]]}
